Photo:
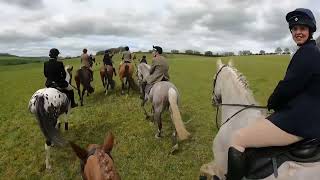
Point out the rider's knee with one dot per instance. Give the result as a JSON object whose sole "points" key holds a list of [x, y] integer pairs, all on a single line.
{"points": [[237, 138]]}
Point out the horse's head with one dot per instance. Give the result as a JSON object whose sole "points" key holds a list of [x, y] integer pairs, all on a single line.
{"points": [[230, 86], [68, 70], [96, 161]]}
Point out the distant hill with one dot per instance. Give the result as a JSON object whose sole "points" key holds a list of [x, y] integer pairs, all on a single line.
{"points": [[6, 60], [7, 55]]}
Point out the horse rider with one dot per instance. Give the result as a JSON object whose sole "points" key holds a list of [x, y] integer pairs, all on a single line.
{"points": [[143, 60], [295, 100], [56, 76], [126, 56], [159, 71], [85, 61], [107, 60]]}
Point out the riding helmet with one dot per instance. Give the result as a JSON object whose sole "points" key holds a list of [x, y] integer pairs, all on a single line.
{"points": [[302, 16], [53, 53], [158, 49]]}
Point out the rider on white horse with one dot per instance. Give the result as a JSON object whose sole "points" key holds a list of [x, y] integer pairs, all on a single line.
{"points": [[159, 71], [55, 73], [296, 100]]}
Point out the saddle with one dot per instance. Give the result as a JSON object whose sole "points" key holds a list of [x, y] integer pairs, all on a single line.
{"points": [[262, 162]]}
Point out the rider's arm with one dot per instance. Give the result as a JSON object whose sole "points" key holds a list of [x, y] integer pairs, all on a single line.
{"points": [[153, 66], [297, 76]]}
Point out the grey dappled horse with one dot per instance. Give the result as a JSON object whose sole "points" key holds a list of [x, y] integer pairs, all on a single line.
{"points": [[163, 95]]}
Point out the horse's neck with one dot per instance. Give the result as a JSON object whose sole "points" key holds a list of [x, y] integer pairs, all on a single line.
{"points": [[236, 93]]}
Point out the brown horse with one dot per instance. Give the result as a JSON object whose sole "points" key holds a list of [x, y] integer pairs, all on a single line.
{"points": [[83, 76], [126, 71], [96, 162], [106, 74]]}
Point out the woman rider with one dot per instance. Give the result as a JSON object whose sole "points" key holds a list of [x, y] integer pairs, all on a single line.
{"points": [[295, 100]]}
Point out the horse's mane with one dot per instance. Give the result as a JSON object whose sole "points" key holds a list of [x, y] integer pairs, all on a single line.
{"points": [[242, 83]]}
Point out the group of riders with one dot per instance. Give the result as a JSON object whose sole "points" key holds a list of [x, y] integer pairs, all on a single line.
{"points": [[295, 99], [55, 72]]}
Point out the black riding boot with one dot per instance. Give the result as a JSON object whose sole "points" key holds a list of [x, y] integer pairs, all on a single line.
{"points": [[142, 95], [114, 70], [70, 95], [236, 164]]}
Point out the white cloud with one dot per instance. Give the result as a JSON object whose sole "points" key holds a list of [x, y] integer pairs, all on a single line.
{"points": [[70, 25]]}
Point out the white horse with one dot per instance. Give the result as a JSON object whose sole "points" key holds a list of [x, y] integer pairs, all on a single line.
{"points": [[164, 95], [231, 87], [48, 104]]}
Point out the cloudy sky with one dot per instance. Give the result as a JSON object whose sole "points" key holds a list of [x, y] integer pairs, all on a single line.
{"points": [[32, 27]]}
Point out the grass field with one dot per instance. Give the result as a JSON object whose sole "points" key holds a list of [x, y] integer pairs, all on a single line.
{"points": [[137, 154]]}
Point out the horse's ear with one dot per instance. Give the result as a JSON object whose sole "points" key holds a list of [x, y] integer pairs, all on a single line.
{"points": [[80, 152], [219, 64], [231, 63], [108, 142]]}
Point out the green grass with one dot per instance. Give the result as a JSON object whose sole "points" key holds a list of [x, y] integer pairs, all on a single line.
{"points": [[137, 154], [14, 60]]}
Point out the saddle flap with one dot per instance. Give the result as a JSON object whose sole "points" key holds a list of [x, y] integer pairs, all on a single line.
{"points": [[261, 162]]}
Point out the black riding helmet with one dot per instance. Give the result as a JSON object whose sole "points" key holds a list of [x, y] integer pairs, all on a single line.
{"points": [[158, 49], [302, 16], [53, 53]]}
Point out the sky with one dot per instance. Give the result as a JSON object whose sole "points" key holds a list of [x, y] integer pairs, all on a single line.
{"points": [[32, 27]]}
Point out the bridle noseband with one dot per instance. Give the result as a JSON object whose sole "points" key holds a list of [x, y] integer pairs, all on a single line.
{"points": [[218, 104]]}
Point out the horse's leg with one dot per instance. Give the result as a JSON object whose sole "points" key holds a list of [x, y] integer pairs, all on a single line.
{"points": [[174, 138], [128, 83], [83, 92], [47, 150], [122, 87], [157, 118]]}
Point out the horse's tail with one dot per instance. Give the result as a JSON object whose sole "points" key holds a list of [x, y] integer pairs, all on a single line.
{"points": [[126, 71], [176, 117], [47, 123]]}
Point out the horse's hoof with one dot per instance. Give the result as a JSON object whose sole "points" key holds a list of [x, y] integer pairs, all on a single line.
{"points": [[48, 167], [215, 177], [157, 136], [174, 149]]}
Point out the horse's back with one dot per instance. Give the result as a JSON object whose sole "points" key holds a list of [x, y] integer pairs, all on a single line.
{"points": [[160, 90], [52, 97]]}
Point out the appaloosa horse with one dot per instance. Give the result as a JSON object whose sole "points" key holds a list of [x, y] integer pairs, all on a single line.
{"points": [[96, 162], [83, 76], [47, 105], [164, 95], [106, 75], [299, 161]]}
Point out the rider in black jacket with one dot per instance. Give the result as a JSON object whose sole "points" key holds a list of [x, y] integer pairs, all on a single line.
{"points": [[56, 76]]}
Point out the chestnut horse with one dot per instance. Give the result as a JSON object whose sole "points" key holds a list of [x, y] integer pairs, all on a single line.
{"points": [[125, 72], [96, 162], [106, 74], [83, 76]]}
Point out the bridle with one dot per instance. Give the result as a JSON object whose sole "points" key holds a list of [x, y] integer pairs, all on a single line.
{"points": [[218, 104]]}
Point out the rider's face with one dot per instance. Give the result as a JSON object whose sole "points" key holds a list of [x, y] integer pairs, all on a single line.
{"points": [[300, 34]]}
